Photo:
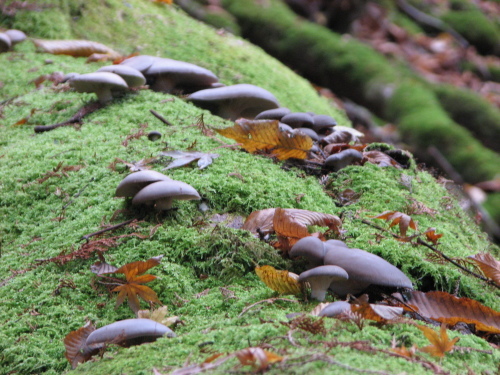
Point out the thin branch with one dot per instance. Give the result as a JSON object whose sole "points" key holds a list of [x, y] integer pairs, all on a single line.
{"points": [[87, 236], [76, 119], [269, 300], [490, 282], [160, 117], [77, 194]]}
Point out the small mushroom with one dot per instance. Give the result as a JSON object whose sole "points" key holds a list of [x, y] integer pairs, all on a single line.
{"points": [[131, 76], [343, 158], [140, 63], [311, 248], [100, 83], [172, 76], [232, 102], [273, 114], [364, 269], [154, 135], [298, 120], [161, 194], [323, 122], [136, 181], [335, 309], [309, 132], [5, 42], [128, 332], [15, 36], [320, 279], [285, 128]]}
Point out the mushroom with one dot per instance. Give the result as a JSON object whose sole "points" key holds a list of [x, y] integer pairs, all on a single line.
{"points": [[335, 308], [273, 114], [343, 158], [309, 132], [323, 122], [5, 42], [131, 76], [140, 63], [136, 181], [232, 102], [285, 127], [298, 120], [100, 83], [15, 36], [320, 279], [311, 248], [163, 193], [128, 332], [364, 269], [154, 135], [167, 75]]}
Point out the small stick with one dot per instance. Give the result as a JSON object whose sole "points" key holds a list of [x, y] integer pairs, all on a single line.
{"points": [[87, 236], [160, 117], [76, 119], [77, 194], [269, 300]]}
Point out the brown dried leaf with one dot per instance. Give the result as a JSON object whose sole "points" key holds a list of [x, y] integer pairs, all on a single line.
{"points": [[489, 265], [440, 343], [258, 358], [77, 350], [293, 222], [400, 218], [265, 135], [446, 308], [381, 159], [283, 282], [75, 48], [260, 221], [432, 236]]}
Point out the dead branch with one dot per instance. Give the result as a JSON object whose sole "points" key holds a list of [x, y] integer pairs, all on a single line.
{"points": [[76, 119], [160, 117]]}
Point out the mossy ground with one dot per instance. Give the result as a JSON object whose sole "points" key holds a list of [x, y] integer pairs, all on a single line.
{"points": [[38, 311]]}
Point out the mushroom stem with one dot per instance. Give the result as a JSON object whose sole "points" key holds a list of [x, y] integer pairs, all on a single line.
{"points": [[164, 204], [104, 95], [318, 293]]}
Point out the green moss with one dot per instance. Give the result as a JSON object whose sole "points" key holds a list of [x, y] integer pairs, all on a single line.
{"points": [[492, 205]]}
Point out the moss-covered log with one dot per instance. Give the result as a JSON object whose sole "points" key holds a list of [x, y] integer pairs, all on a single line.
{"points": [[355, 70]]}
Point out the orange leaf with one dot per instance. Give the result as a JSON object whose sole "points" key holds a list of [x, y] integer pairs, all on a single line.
{"points": [[446, 308], [400, 218], [282, 282], [293, 222], [77, 350], [258, 358], [404, 351], [440, 343], [260, 221], [432, 236], [265, 135], [489, 265]]}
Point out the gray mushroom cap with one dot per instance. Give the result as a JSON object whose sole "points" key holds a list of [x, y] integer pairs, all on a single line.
{"points": [[5, 42], [136, 181], [131, 76], [140, 63], [336, 243], [128, 332], [320, 278], [311, 248], [167, 75], [321, 122], [309, 132], [273, 114], [163, 193], [364, 269], [15, 36], [101, 83], [335, 308], [232, 102], [298, 120], [343, 158]]}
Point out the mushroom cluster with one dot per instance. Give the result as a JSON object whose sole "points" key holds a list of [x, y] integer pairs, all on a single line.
{"points": [[343, 270], [10, 38], [153, 188]]}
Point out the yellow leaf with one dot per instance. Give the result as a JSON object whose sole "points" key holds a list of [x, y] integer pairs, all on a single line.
{"points": [[282, 282], [440, 343], [265, 135]]}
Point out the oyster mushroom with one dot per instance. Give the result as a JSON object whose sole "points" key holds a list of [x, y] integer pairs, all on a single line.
{"points": [[298, 120], [161, 194], [167, 75], [273, 114], [140, 63], [232, 102], [15, 36], [136, 181], [128, 332], [320, 279], [343, 158], [131, 76], [5, 42], [311, 248], [322, 123], [100, 83], [335, 309]]}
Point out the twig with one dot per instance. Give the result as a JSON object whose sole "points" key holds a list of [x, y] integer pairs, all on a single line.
{"points": [[290, 338], [87, 236], [160, 117], [490, 282], [364, 221], [77, 194], [76, 119], [269, 300]]}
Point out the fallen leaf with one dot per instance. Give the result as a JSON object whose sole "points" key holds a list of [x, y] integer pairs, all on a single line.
{"points": [[440, 343], [432, 236], [283, 282], [260, 221], [133, 288], [293, 222], [265, 136], [489, 265], [381, 159], [183, 158], [77, 350], [258, 358], [400, 218], [75, 48], [404, 351]]}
